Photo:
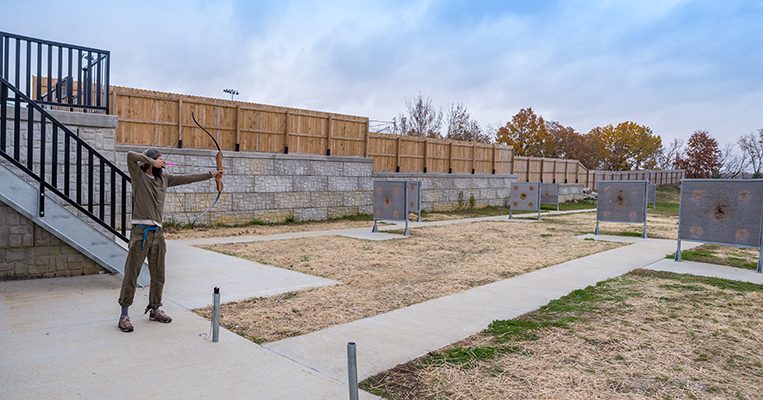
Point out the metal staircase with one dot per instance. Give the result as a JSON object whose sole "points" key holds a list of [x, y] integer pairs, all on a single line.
{"points": [[50, 175]]}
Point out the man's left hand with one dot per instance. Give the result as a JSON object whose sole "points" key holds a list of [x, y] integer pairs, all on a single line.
{"points": [[215, 174]]}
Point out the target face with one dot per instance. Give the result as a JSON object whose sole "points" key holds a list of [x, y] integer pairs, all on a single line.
{"points": [[389, 200], [524, 196], [721, 211], [549, 193], [621, 201], [414, 189]]}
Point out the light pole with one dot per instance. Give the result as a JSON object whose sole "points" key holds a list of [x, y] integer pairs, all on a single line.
{"points": [[232, 92]]}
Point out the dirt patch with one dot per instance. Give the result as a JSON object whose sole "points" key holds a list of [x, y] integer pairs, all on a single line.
{"points": [[205, 232], [382, 276], [646, 335]]}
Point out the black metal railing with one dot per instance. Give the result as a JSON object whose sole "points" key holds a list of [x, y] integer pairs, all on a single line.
{"points": [[50, 153], [56, 74]]}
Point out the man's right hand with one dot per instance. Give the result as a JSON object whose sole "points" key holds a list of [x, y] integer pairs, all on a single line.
{"points": [[159, 163]]}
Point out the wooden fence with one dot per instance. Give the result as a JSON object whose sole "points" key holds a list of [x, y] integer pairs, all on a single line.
{"points": [[164, 119]]}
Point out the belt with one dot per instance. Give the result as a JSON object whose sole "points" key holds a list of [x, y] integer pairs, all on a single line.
{"points": [[146, 229]]}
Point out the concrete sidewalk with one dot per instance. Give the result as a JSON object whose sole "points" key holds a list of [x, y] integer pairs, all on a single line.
{"points": [[389, 339]]}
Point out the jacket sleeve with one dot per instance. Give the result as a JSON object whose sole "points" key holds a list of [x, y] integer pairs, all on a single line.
{"points": [[135, 161], [175, 180]]}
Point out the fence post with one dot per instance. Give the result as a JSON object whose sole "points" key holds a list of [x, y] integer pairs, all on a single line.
{"points": [[426, 154], [238, 127], [512, 161], [527, 171], [474, 158], [331, 133], [541, 169], [495, 149], [365, 152], [286, 135], [450, 157], [397, 156], [180, 123]]}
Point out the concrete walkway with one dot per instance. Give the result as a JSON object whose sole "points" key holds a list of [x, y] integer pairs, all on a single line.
{"points": [[389, 339], [708, 270]]}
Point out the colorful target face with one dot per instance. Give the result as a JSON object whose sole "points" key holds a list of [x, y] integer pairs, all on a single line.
{"points": [[721, 211], [389, 200], [524, 196], [621, 201], [549, 193]]}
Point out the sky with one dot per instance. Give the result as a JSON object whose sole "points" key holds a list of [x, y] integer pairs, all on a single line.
{"points": [[674, 65]]}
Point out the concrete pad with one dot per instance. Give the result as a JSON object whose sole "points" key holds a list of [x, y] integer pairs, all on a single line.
{"points": [[58, 339], [192, 273], [708, 270]]}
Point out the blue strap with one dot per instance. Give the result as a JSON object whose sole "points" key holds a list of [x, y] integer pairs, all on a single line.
{"points": [[146, 229]]}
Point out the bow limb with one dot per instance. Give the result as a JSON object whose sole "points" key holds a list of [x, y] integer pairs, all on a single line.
{"points": [[219, 162]]}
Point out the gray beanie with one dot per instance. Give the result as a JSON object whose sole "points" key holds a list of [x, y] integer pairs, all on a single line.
{"points": [[152, 153]]}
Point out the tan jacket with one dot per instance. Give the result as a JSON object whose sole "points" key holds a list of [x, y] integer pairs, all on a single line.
{"points": [[148, 192]]}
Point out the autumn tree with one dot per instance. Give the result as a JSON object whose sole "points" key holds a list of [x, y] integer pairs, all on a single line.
{"points": [[628, 146], [668, 155], [526, 133], [419, 119], [461, 126], [733, 163], [561, 141], [702, 158]]}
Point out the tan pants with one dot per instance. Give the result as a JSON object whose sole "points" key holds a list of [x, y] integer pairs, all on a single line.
{"points": [[154, 249]]}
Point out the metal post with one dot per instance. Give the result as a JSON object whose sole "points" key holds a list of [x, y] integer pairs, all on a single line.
{"points": [[646, 205], [216, 315], [539, 193], [677, 257], [419, 203], [352, 370], [406, 232], [596, 229]]}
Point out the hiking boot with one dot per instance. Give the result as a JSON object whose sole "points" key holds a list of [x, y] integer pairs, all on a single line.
{"points": [[159, 316], [124, 324]]}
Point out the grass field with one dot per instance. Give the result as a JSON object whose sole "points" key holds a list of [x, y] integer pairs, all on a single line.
{"points": [[646, 335]]}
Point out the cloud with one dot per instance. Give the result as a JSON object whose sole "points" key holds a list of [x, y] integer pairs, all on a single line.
{"points": [[676, 66]]}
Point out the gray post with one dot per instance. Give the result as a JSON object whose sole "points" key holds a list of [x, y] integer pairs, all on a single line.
{"points": [[760, 261], [352, 370], [646, 207], [406, 232], [596, 229], [678, 243], [539, 194], [375, 228], [216, 315]]}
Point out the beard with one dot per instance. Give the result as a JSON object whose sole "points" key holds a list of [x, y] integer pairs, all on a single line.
{"points": [[157, 172]]}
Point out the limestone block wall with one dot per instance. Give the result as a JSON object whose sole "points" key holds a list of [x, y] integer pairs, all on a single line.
{"points": [[571, 191], [266, 187], [449, 191], [28, 251]]}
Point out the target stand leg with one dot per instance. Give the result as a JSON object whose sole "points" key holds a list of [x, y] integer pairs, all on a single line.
{"points": [[375, 228], [678, 251]]}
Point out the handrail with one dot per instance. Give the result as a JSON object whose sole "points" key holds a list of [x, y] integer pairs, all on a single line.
{"points": [[70, 140], [37, 67]]}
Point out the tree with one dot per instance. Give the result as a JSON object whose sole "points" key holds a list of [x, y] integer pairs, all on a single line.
{"points": [[461, 126], [561, 141], [752, 147], [420, 119], [526, 133], [668, 156], [702, 158], [628, 146], [733, 163]]}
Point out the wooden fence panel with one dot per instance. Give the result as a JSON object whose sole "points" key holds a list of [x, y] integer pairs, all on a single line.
{"points": [[483, 156], [461, 158], [438, 156], [504, 160], [383, 153], [411, 154]]}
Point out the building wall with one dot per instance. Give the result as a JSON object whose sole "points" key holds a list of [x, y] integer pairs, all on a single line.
{"points": [[28, 251]]}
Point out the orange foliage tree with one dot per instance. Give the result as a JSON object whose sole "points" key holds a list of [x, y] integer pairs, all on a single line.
{"points": [[702, 158]]}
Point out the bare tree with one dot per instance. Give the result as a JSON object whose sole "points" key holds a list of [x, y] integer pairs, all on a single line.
{"points": [[668, 156], [420, 119], [461, 126], [751, 145], [733, 163]]}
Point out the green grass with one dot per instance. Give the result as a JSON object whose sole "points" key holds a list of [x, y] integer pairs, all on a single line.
{"points": [[707, 254], [290, 220]]}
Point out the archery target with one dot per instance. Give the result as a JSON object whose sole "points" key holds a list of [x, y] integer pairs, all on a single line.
{"points": [[549, 193], [389, 200], [524, 196], [414, 190], [651, 196], [621, 201], [721, 211]]}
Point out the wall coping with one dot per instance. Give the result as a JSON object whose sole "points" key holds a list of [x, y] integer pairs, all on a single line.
{"points": [[73, 118], [440, 175], [243, 154]]}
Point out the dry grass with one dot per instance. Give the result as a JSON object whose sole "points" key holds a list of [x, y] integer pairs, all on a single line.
{"points": [[646, 335], [658, 226], [382, 276], [205, 232], [731, 256]]}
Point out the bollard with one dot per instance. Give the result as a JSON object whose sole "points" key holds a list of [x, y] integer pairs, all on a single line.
{"points": [[352, 370], [216, 315]]}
